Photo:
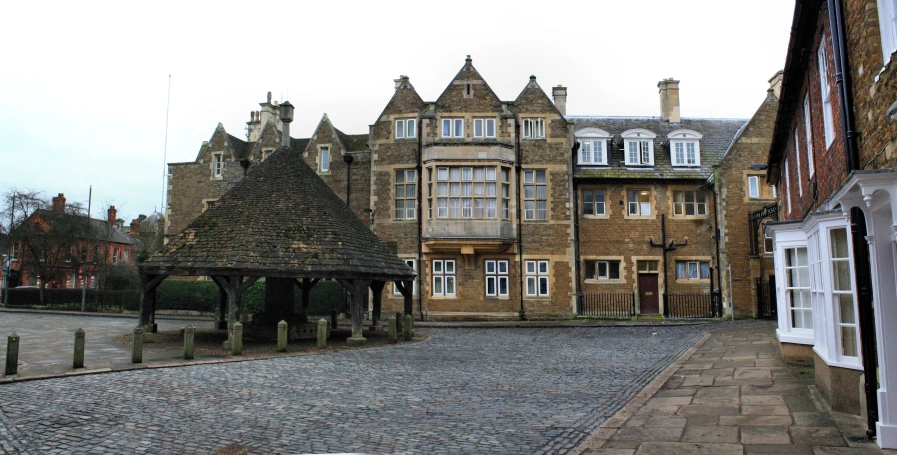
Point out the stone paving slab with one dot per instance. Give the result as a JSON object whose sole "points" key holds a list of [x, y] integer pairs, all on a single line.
{"points": [[746, 402]]}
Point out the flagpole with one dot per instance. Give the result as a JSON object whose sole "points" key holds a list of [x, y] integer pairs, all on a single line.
{"points": [[84, 254], [165, 149]]}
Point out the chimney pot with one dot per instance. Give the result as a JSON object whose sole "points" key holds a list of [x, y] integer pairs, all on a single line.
{"points": [[111, 215], [669, 100], [559, 94], [269, 97], [398, 82], [135, 227]]}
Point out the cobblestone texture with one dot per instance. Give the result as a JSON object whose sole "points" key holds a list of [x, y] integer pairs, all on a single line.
{"points": [[464, 391]]}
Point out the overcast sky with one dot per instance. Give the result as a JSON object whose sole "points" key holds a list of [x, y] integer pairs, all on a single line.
{"points": [[83, 84]]}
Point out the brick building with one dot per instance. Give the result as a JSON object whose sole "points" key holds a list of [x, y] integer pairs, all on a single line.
{"points": [[832, 159], [508, 209]]}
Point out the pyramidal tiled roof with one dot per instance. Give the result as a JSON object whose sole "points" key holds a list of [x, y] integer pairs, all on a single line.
{"points": [[281, 220]]}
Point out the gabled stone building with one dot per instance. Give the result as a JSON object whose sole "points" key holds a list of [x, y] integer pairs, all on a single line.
{"points": [[510, 208]]}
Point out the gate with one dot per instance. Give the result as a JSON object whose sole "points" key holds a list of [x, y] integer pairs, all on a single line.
{"points": [[766, 298]]}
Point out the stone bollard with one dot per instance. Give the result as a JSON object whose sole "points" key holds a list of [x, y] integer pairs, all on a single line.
{"points": [[393, 336], [189, 333], [398, 322], [334, 318], [282, 332], [322, 333], [407, 331], [237, 345], [137, 352], [12, 355], [78, 361]]}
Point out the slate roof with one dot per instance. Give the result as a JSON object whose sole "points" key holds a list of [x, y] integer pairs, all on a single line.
{"points": [[241, 147], [353, 142], [281, 220], [718, 135], [99, 229]]}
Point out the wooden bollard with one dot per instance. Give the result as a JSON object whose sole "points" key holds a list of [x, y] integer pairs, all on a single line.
{"points": [[137, 347], [282, 331], [393, 336], [189, 333], [408, 330], [78, 361], [322, 333], [237, 345], [398, 322], [334, 318], [12, 355]]}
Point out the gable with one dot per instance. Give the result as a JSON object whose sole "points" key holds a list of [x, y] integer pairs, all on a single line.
{"points": [[468, 92], [534, 100]]}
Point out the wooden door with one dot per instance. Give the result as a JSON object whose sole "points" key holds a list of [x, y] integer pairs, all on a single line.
{"points": [[649, 302]]}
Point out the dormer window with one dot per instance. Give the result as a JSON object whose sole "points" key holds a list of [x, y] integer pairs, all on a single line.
{"points": [[534, 128], [639, 147], [406, 129], [592, 146], [685, 147]]}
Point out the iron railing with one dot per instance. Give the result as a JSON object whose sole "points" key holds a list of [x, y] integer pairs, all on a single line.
{"points": [[693, 306], [607, 305], [766, 299]]}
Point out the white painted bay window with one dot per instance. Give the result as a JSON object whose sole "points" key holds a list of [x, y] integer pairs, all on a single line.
{"points": [[797, 288]]}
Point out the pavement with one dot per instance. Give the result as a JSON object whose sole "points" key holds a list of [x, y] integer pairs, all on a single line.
{"points": [[731, 394]]}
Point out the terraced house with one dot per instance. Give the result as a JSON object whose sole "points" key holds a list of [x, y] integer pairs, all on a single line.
{"points": [[511, 208]]}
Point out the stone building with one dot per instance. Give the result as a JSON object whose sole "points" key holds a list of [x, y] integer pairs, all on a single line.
{"points": [[833, 162], [746, 203], [511, 208]]}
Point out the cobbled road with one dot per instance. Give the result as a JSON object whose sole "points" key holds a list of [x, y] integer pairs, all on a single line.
{"points": [[463, 391]]}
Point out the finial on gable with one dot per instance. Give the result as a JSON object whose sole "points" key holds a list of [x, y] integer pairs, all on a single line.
{"points": [[468, 59]]}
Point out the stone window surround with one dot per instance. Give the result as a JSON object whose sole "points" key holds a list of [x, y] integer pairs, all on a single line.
{"points": [[699, 259], [685, 137], [434, 276], [621, 259], [329, 148], [484, 124], [671, 200], [547, 199], [407, 199], [761, 178], [497, 275], [651, 199], [453, 121], [607, 202], [266, 152], [207, 203], [409, 128], [217, 159], [538, 275], [535, 125]]}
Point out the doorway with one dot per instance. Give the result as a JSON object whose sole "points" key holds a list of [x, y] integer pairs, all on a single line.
{"points": [[647, 293]]}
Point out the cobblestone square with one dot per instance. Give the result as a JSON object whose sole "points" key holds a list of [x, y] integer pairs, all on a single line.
{"points": [[496, 391]]}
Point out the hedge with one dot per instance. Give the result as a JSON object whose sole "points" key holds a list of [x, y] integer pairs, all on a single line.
{"points": [[178, 295]]}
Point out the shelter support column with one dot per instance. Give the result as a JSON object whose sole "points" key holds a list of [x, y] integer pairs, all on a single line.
{"points": [[357, 290], [149, 283], [305, 286], [234, 286], [377, 290]]}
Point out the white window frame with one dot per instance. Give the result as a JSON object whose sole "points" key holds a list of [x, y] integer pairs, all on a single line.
{"points": [[826, 92], [217, 164], [406, 128], [606, 262], [400, 129], [754, 186], [532, 209], [452, 127], [887, 24], [840, 325], [689, 142], [806, 308], [642, 208], [534, 128], [639, 147], [594, 203], [324, 159], [808, 130], [684, 204], [497, 273], [444, 272], [413, 264], [537, 278], [787, 186], [800, 182], [695, 266], [481, 127], [590, 140], [409, 180]]}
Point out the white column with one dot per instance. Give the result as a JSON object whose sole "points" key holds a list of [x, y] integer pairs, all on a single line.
{"points": [[885, 302]]}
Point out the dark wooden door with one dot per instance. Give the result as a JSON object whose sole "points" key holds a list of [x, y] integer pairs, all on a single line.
{"points": [[647, 294]]}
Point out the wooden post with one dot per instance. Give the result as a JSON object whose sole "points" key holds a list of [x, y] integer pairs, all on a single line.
{"points": [[237, 342], [78, 361], [322, 333], [334, 318], [377, 289], [282, 331], [137, 346], [189, 332], [12, 355], [221, 314], [407, 291], [306, 295], [148, 298]]}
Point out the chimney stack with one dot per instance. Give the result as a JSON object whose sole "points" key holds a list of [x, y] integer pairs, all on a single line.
{"points": [[135, 227], [559, 94], [59, 204], [669, 100], [286, 117], [398, 82], [111, 215], [775, 83]]}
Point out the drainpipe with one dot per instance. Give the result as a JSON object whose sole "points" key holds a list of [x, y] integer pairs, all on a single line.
{"points": [[842, 80], [576, 256], [716, 236], [348, 159], [420, 216], [518, 172]]}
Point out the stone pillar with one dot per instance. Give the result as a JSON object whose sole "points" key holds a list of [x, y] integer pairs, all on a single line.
{"points": [[137, 346], [408, 332], [189, 332], [358, 289], [233, 307], [12, 355], [322, 333], [282, 331], [398, 322], [393, 336], [78, 360], [237, 340]]}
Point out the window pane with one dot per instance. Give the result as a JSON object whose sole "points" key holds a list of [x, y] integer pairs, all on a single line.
{"points": [[459, 127], [490, 174], [590, 269], [543, 267], [614, 270], [845, 308], [490, 127], [839, 243], [455, 174], [437, 285], [543, 285], [490, 266], [841, 278], [446, 128], [503, 267], [400, 129], [530, 267], [531, 285], [490, 285], [602, 269], [478, 127], [849, 341], [449, 267], [692, 270], [502, 285], [540, 176], [681, 272], [437, 266], [705, 270], [528, 176], [412, 130]]}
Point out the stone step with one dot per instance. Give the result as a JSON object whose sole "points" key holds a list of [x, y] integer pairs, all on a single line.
{"points": [[649, 317]]}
